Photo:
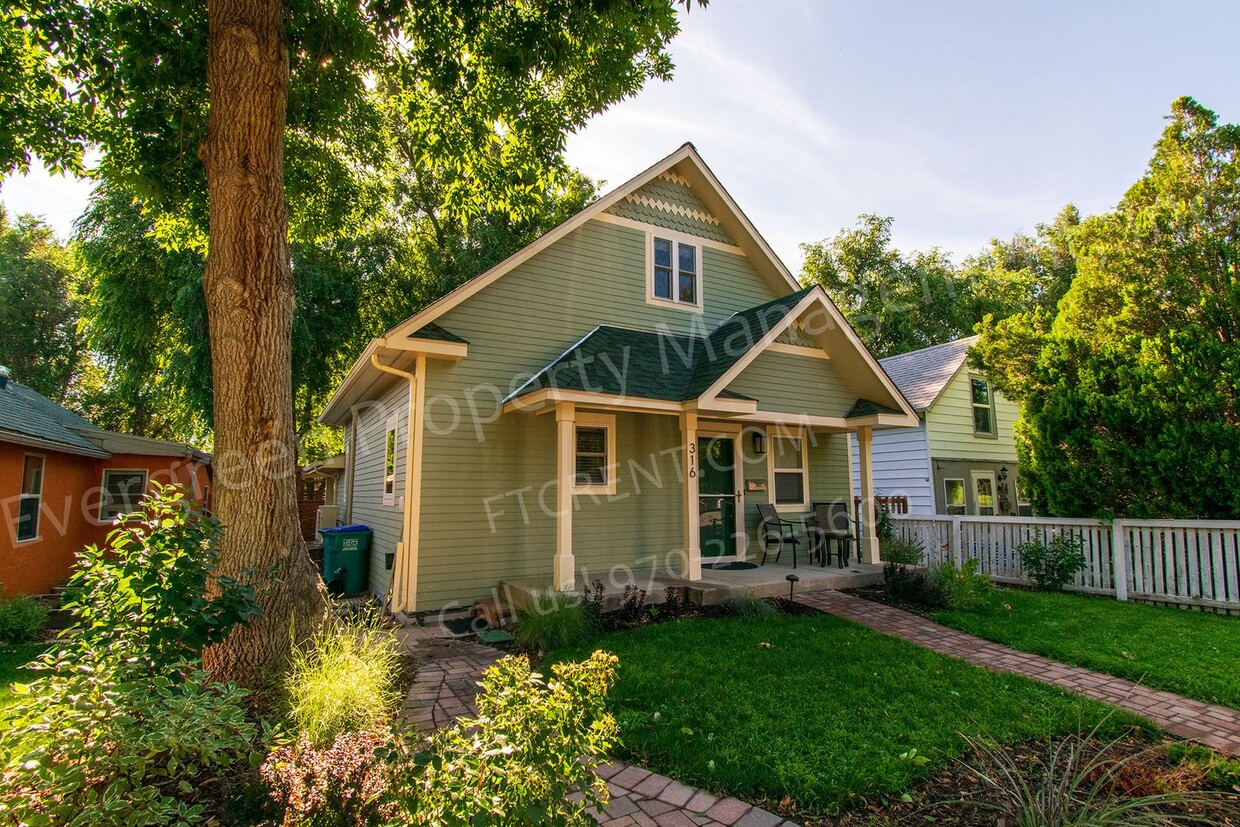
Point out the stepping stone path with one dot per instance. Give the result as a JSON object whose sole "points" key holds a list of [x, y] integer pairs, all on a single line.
{"points": [[446, 684], [1217, 727]]}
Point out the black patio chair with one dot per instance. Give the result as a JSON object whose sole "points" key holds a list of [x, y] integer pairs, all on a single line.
{"points": [[832, 524], [777, 531]]}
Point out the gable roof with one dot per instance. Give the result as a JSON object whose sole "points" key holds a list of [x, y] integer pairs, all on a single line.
{"points": [[692, 169], [686, 169], [922, 374], [29, 418], [27, 413]]}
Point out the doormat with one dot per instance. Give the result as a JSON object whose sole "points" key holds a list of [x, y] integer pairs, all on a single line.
{"points": [[730, 566]]}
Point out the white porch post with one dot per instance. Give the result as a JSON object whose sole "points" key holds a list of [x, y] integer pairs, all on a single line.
{"points": [[691, 562], [869, 529], [564, 574]]}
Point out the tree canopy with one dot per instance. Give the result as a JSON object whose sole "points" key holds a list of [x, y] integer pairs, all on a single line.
{"points": [[1129, 386], [39, 301]]}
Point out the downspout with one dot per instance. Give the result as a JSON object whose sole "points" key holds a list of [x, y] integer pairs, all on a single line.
{"points": [[404, 597], [351, 470]]}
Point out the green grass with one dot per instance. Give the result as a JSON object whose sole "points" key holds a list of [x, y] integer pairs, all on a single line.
{"points": [[12, 659], [822, 716], [1196, 654]]}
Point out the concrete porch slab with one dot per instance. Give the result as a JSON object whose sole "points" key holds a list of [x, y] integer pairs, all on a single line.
{"points": [[716, 585]]}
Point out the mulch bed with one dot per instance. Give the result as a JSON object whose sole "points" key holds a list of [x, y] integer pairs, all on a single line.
{"points": [[951, 796], [878, 594]]}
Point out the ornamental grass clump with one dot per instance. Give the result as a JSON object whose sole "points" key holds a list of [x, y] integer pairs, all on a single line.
{"points": [[1075, 782], [553, 619], [344, 678]]}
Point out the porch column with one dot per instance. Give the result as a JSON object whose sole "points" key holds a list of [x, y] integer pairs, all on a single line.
{"points": [[564, 573], [691, 561], [869, 530]]}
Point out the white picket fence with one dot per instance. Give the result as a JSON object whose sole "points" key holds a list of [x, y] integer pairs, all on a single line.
{"points": [[1186, 562]]}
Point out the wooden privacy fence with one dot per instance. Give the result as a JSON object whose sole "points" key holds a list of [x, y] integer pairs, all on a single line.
{"points": [[1186, 562]]}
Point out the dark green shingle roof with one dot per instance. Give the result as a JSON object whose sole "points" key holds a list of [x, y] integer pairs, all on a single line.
{"points": [[665, 366], [434, 331], [30, 414], [864, 407]]}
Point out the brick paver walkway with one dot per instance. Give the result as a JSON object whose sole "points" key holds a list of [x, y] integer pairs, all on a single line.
{"points": [[1217, 727], [446, 684]]}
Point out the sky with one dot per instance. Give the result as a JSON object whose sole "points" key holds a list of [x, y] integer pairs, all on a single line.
{"points": [[964, 121]]}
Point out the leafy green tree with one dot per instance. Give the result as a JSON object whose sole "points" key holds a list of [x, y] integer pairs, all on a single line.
{"points": [[1129, 390], [39, 281], [895, 302], [211, 115]]}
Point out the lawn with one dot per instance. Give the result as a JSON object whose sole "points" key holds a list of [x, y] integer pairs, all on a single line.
{"points": [[1192, 653], [828, 713], [12, 659]]}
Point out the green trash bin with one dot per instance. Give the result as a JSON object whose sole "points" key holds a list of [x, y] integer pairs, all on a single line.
{"points": [[346, 559]]}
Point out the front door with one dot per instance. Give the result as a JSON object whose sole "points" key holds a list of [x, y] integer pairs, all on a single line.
{"points": [[984, 493], [717, 497]]}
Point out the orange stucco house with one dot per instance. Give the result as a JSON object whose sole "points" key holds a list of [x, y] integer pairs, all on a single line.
{"points": [[63, 481]]}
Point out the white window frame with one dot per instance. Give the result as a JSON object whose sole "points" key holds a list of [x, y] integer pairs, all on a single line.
{"points": [[993, 433], [608, 423], [964, 490], [678, 240], [103, 488], [974, 477], [771, 470], [391, 432], [38, 511]]}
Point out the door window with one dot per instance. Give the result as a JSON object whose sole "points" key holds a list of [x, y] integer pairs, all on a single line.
{"points": [[984, 493]]}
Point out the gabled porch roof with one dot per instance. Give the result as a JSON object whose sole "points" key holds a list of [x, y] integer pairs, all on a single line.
{"points": [[675, 372]]}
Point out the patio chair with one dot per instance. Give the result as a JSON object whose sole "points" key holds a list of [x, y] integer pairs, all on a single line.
{"points": [[777, 531], [832, 524]]}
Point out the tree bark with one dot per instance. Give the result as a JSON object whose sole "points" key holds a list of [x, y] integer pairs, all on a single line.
{"points": [[249, 291]]}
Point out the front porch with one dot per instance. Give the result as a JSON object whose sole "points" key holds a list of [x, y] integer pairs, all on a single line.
{"points": [[715, 586]]}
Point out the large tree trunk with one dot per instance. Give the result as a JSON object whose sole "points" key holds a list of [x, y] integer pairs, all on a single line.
{"points": [[249, 289]]}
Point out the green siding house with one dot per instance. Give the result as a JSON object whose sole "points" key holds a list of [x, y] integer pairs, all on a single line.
{"points": [[621, 394]]}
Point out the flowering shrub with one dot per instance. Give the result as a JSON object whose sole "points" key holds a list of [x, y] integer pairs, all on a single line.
{"points": [[341, 785]]}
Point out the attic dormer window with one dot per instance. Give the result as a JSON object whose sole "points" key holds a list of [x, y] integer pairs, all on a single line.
{"points": [[675, 271]]}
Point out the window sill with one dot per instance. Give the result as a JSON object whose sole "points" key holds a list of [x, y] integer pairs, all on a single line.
{"points": [[587, 490], [686, 306], [28, 541]]}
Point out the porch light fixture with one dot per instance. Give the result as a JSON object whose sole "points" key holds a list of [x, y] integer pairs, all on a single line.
{"points": [[759, 443], [1003, 473]]}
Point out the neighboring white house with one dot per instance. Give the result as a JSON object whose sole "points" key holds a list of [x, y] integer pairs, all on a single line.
{"points": [[961, 459]]}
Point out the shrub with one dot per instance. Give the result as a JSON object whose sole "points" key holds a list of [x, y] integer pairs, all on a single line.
{"points": [[532, 744], [151, 594], [901, 552], [22, 618], [343, 679], [964, 589], [1051, 566], [341, 785], [1076, 781], [749, 605], [553, 619], [123, 728], [107, 747]]}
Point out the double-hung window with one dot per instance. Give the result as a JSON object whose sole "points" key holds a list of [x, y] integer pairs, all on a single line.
{"points": [[389, 462], [790, 472], [594, 454], [31, 498], [122, 491], [953, 496], [983, 401], [676, 271]]}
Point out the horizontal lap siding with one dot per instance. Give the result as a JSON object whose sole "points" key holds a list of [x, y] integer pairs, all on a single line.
{"points": [[481, 518], [950, 425], [788, 383], [901, 465], [368, 507]]}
